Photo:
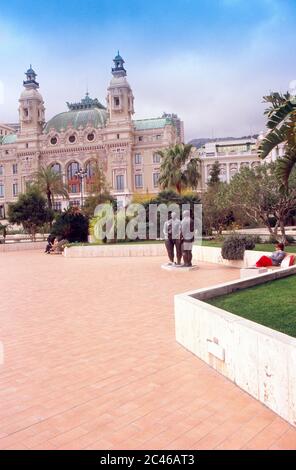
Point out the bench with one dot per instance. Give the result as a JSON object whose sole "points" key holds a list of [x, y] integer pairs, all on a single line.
{"points": [[253, 271]]}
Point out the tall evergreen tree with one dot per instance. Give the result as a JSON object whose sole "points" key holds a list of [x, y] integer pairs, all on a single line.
{"points": [[215, 174]]}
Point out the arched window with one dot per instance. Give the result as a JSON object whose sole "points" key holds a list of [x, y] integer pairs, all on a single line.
{"points": [[72, 169], [233, 169], [90, 169], [245, 165], [73, 180], [56, 167], [223, 174]]}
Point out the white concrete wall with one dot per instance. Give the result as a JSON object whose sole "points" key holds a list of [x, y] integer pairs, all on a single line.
{"points": [[213, 255], [147, 249], [258, 359], [22, 246], [200, 253]]}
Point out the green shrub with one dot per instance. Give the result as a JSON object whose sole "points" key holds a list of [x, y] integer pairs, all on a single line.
{"points": [[290, 239], [273, 240], [91, 202], [249, 241], [105, 223], [256, 239], [71, 225], [233, 247], [31, 211]]}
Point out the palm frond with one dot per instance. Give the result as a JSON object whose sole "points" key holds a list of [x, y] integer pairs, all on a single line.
{"points": [[177, 169], [280, 114], [276, 100], [49, 181], [271, 140], [285, 166]]}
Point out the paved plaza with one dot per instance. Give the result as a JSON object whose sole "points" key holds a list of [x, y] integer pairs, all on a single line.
{"points": [[91, 362]]}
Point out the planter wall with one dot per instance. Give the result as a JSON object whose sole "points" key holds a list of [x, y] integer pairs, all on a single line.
{"points": [[22, 246], [213, 255], [200, 253], [258, 359], [97, 251]]}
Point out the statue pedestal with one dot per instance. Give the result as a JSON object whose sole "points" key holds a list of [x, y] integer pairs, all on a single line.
{"points": [[178, 268]]}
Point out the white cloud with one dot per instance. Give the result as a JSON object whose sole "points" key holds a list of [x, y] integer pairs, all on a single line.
{"points": [[213, 97]]}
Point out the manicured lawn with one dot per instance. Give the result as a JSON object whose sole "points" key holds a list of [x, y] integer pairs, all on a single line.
{"points": [[258, 247], [272, 304], [269, 247], [212, 243]]}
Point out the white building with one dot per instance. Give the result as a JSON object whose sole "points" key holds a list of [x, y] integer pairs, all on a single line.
{"points": [[232, 155]]}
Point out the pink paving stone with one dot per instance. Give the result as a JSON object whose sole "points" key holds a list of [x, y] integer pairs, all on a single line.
{"points": [[91, 360]]}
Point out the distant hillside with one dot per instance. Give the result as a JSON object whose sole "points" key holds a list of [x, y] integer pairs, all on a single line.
{"points": [[203, 140]]}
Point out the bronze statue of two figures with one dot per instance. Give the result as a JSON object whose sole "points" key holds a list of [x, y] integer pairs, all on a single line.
{"points": [[179, 236]]}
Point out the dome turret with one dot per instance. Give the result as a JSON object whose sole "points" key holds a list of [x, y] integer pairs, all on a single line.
{"points": [[31, 109], [118, 70], [120, 97], [31, 79]]}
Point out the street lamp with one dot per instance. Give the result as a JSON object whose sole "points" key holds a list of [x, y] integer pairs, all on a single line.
{"points": [[81, 174]]}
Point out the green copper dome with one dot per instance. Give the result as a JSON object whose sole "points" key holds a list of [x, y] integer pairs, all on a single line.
{"points": [[8, 139], [94, 117], [87, 112]]}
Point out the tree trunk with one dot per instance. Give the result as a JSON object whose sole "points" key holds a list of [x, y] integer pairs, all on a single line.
{"points": [[272, 231], [269, 228], [33, 234], [283, 232], [179, 188], [49, 203]]}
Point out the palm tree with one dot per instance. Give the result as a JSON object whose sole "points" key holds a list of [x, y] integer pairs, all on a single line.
{"points": [[50, 183], [179, 168], [282, 129]]}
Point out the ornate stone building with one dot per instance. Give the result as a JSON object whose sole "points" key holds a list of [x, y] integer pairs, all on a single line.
{"points": [[74, 140]]}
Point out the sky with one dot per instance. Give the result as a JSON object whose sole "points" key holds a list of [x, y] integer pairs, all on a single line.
{"points": [[209, 61]]}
